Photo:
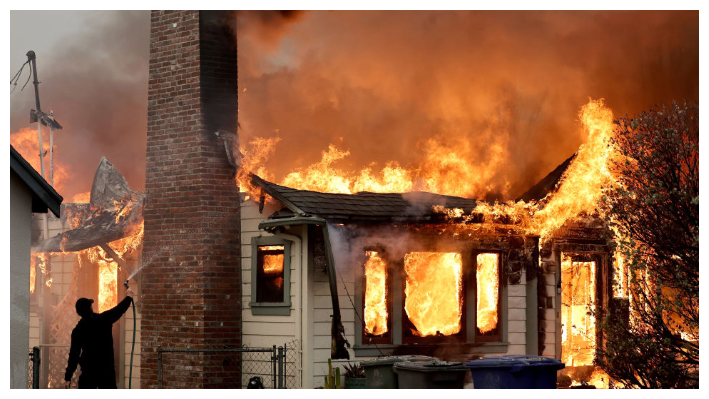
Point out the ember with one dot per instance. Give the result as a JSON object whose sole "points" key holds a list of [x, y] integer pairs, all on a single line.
{"points": [[375, 295], [433, 292]]}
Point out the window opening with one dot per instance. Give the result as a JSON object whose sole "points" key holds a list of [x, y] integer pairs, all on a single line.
{"points": [[433, 293], [487, 277], [376, 315], [270, 273], [578, 324]]}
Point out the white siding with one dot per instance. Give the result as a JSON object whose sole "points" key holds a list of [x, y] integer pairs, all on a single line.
{"points": [[516, 316], [264, 331]]}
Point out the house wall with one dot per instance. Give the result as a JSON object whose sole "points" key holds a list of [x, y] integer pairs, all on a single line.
{"points": [[20, 237], [322, 311], [314, 334], [264, 331]]}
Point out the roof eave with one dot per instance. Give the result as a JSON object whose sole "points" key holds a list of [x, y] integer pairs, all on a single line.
{"points": [[44, 196]]}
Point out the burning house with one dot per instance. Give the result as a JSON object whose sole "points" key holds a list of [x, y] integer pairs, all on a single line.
{"points": [[230, 259], [355, 276]]}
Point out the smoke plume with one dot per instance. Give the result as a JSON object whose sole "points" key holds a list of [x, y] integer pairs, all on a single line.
{"points": [[96, 82], [502, 89]]}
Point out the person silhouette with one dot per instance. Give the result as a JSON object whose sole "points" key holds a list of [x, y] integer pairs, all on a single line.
{"points": [[92, 345]]}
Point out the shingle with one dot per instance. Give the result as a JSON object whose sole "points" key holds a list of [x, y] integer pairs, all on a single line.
{"points": [[361, 205]]}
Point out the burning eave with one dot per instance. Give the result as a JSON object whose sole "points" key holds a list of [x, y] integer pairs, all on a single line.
{"points": [[106, 225]]}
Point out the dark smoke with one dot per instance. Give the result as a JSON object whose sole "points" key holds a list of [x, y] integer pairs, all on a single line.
{"points": [[97, 86]]}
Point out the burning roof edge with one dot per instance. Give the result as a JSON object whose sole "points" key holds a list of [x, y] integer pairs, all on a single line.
{"points": [[43, 194], [547, 184], [363, 206], [103, 226]]}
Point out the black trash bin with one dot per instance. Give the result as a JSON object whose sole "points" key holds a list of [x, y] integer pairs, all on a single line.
{"points": [[433, 374], [380, 374], [514, 372]]}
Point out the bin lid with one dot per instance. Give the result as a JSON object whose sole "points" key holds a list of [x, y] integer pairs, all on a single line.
{"points": [[434, 365], [515, 362], [389, 360]]}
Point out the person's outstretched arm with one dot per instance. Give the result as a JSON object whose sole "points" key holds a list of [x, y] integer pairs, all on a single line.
{"points": [[112, 315]]}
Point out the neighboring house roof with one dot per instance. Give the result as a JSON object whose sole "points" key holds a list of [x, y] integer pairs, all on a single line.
{"points": [[363, 206], [547, 184], [43, 195], [100, 226]]}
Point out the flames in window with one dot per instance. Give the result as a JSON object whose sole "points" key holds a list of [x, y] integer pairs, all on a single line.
{"points": [[375, 295], [488, 280], [434, 292], [270, 273], [578, 325]]}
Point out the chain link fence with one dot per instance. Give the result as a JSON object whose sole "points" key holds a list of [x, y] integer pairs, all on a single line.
{"points": [[274, 368]]}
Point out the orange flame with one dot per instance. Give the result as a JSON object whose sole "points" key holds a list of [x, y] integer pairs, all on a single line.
{"points": [[581, 186], [26, 142], [578, 334], [273, 264], [375, 294], [81, 198], [433, 292], [254, 161], [108, 267], [33, 272], [488, 281]]}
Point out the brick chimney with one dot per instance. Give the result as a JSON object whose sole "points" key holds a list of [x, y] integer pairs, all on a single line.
{"points": [[191, 281]]}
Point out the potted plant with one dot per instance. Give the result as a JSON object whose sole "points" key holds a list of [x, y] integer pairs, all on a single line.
{"points": [[332, 379], [354, 376]]}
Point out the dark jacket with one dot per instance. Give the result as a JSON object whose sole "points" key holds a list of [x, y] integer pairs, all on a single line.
{"points": [[92, 341]]}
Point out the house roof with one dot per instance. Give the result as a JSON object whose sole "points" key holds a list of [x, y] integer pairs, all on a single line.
{"points": [[547, 184], [44, 197], [363, 206], [100, 226]]}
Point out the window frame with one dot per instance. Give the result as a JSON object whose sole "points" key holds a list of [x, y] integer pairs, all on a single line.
{"points": [[496, 336], [468, 339], [270, 308]]}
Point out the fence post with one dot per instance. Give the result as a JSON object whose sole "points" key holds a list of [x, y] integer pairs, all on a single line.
{"points": [[285, 366], [280, 367], [273, 363], [35, 367], [159, 367]]}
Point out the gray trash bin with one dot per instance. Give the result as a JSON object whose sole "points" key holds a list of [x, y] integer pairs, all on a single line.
{"points": [[435, 374], [380, 374]]}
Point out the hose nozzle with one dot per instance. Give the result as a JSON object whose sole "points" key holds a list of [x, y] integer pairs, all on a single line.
{"points": [[126, 284]]}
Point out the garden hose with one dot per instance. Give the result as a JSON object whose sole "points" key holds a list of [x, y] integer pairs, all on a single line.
{"points": [[132, 346]]}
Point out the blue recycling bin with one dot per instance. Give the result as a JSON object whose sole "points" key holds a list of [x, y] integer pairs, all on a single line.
{"points": [[514, 372]]}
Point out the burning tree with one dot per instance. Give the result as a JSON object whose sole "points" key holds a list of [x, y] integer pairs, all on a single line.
{"points": [[653, 209]]}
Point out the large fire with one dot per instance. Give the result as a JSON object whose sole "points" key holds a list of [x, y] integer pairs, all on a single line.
{"points": [[108, 267], [375, 295], [444, 169], [26, 142], [488, 277], [434, 292]]}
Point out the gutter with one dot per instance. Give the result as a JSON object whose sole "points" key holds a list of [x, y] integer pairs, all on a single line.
{"points": [[337, 330]]}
